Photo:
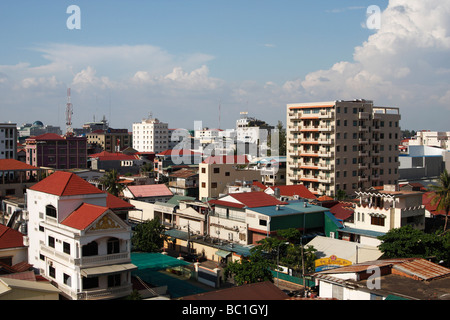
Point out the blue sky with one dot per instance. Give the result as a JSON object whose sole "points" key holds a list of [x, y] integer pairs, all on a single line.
{"points": [[180, 59]]}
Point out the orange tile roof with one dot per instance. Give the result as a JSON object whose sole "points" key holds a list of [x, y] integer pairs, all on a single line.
{"points": [[12, 164], [62, 183], [84, 216]]}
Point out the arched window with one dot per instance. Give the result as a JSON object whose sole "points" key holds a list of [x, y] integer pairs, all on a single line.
{"points": [[50, 211], [113, 245], [90, 249]]}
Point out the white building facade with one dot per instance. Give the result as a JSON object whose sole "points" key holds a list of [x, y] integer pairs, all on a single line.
{"points": [[151, 135], [77, 242], [8, 141]]}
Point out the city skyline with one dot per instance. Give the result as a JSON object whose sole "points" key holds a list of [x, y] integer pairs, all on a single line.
{"points": [[208, 61]]}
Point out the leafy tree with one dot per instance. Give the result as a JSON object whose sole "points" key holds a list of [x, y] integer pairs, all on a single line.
{"points": [[252, 269], [149, 236], [441, 195], [340, 195], [407, 242], [111, 182]]}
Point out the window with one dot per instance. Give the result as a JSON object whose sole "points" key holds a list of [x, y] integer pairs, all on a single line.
{"points": [[214, 185], [66, 247], [90, 249], [203, 184], [227, 174], [90, 283], [377, 221], [51, 272], [262, 222], [50, 211], [114, 280], [113, 245], [51, 242], [203, 170], [67, 280]]}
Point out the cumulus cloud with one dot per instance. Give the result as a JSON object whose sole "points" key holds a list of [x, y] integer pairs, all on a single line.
{"points": [[404, 63]]}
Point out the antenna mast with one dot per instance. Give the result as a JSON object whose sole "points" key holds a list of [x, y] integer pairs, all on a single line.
{"points": [[69, 112]]}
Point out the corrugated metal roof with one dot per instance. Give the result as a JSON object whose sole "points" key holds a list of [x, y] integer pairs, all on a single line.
{"points": [[422, 269]]}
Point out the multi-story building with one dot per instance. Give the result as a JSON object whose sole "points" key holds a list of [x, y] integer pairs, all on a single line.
{"points": [[8, 141], [150, 135], [342, 145], [76, 240], [55, 151], [379, 211], [109, 140], [431, 139], [217, 172]]}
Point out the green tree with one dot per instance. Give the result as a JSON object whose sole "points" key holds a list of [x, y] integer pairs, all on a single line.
{"points": [[340, 195], [252, 269], [111, 182], [149, 236], [441, 195], [407, 242]]}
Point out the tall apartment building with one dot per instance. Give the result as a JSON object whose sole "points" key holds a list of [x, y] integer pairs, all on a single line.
{"points": [[8, 141], [150, 135], [342, 145]]}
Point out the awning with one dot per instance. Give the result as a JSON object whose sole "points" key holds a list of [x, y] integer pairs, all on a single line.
{"points": [[223, 253], [115, 268]]}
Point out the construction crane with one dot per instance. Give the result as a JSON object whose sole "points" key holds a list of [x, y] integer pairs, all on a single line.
{"points": [[69, 112]]}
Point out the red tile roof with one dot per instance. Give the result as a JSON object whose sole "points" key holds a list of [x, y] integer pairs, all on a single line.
{"points": [[48, 136], [296, 189], [342, 210], [151, 190], [114, 202], [12, 164], [62, 183], [259, 185], [10, 238], [251, 200], [84, 216], [226, 204], [432, 208], [227, 160], [111, 156]]}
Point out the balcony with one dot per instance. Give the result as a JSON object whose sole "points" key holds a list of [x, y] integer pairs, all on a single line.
{"points": [[326, 115], [108, 293], [326, 128], [325, 179], [363, 116], [85, 261], [326, 141]]}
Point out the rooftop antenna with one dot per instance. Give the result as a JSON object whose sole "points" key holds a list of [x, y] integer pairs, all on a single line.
{"points": [[69, 113]]}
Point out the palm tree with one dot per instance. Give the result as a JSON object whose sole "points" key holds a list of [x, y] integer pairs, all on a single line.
{"points": [[111, 182], [441, 195]]}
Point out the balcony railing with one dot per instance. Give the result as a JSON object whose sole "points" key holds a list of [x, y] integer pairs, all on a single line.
{"points": [[85, 261], [108, 293]]}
